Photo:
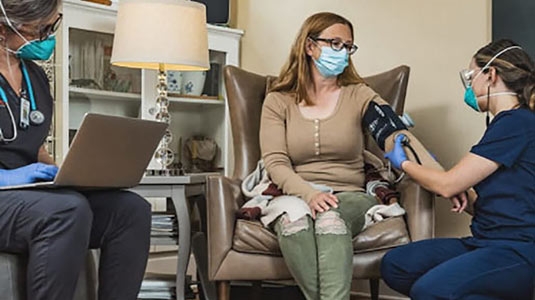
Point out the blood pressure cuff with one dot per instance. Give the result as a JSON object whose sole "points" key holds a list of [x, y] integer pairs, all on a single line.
{"points": [[381, 121]]}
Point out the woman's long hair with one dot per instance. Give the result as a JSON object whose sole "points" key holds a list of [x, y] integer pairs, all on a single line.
{"points": [[295, 77]]}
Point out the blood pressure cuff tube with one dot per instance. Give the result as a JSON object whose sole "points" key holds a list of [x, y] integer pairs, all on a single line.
{"points": [[384, 125], [382, 121]]}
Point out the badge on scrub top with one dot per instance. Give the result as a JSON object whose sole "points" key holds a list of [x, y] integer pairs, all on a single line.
{"points": [[24, 113]]}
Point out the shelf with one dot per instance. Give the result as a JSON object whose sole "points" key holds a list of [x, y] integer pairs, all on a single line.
{"points": [[92, 5], [192, 178], [163, 241], [196, 100], [93, 94]]}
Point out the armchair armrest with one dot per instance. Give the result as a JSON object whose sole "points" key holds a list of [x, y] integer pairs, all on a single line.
{"points": [[419, 205], [223, 196]]}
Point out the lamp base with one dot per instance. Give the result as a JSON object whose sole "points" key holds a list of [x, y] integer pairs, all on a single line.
{"points": [[163, 154]]}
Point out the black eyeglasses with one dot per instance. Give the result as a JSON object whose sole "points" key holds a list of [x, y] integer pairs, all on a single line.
{"points": [[49, 29], [337, 44]]}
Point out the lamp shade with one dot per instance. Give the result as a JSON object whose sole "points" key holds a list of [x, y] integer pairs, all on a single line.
{"points": [[149, 33]]}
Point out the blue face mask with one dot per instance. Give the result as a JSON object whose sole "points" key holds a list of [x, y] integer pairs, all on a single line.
{"points": [[36, 49], [331, 63]]}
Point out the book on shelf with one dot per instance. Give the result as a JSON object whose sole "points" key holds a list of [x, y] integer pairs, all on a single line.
{"points": [[162, 286]]}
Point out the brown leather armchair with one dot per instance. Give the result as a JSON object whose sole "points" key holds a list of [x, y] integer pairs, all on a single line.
{"points": [[245, 250]]}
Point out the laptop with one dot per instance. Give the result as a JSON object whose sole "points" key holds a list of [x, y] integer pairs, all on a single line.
{"points": [[106, 152]]}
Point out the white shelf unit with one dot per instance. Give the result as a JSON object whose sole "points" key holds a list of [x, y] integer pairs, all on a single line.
{"points": [[190, 116], [103, 95]]}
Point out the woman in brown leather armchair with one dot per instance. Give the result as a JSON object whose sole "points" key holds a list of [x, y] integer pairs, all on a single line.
{"points": [[312, 144]]}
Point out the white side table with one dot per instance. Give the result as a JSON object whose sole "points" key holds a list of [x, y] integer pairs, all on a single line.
{"points": [[178, 188]]}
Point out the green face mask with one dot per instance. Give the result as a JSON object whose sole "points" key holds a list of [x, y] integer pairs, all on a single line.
{"points": [[470, 99], [37, 49]]}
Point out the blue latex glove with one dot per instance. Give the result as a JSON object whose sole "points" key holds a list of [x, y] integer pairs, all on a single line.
{"points": [[28, 174], [397, 156]]}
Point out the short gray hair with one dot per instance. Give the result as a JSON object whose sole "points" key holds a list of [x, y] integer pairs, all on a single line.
{"points": [[22, 12]]}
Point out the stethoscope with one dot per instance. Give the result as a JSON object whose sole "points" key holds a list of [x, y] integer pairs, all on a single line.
{"points": [[29, 114]]}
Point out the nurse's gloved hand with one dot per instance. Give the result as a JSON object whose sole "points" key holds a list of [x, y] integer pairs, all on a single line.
{"points": [[397, 156], [28, 174]]}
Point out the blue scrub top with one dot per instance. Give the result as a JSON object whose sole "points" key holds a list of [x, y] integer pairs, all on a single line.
{"points": [[505, 208]]}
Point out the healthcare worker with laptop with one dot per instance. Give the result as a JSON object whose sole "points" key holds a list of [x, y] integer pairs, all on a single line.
{"points": [[56, 227]]}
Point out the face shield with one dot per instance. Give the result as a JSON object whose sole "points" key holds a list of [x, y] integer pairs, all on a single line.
{"points": [[467, 76]]}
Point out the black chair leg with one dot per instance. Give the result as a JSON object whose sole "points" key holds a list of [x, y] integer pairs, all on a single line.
{"points": [[374, 289], [256, 290]]}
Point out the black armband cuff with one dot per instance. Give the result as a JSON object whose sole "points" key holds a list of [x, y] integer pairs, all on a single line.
{"points": [[381, 121]]}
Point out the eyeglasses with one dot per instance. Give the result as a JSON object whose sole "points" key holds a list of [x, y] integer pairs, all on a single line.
{"points": [[49, 29], [45, 31], [337, 44], [466, 77]]}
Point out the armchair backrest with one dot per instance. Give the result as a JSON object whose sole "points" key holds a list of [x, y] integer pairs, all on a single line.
{"points": [[246, 92]]}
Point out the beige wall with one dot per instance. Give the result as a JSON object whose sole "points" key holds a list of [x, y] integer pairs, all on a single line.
{"points": [[435, 38]]}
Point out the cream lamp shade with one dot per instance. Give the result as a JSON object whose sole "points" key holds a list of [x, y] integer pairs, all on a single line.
{"points": [[152, 33]]}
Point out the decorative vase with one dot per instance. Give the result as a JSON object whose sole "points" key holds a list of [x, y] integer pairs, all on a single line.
{"points": [[193, 82], [174, 82]]}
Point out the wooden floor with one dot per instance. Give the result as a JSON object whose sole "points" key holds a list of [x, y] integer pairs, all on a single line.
{"points": [[268, 293], [279, 293], [353, 297]]}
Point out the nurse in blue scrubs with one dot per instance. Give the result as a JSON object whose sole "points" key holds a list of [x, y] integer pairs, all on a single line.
{"points": [[495, 181]]}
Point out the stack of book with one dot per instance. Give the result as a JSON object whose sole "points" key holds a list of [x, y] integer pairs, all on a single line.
{"points": [[163, 287], [164, 225], [158, 286]]}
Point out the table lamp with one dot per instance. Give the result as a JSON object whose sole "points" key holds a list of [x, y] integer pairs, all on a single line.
{"points": [[161, 35]]}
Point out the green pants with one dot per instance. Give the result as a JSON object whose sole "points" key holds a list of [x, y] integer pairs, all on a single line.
{"points": [[319, 253]]}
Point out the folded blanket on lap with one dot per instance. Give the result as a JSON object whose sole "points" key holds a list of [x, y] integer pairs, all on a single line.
{"points": [[267, 201]]}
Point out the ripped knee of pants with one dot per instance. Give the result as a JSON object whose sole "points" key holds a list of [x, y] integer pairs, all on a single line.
{"points": [[290, 228], [330, 222]]}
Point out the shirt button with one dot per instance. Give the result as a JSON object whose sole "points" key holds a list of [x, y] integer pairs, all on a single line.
{"points": [[317, 153], [316, 134], [316, 121], [317, 144]]}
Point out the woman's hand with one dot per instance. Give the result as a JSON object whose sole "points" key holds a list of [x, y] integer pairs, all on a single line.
{"points": [[322, 202], [459, 202]]}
